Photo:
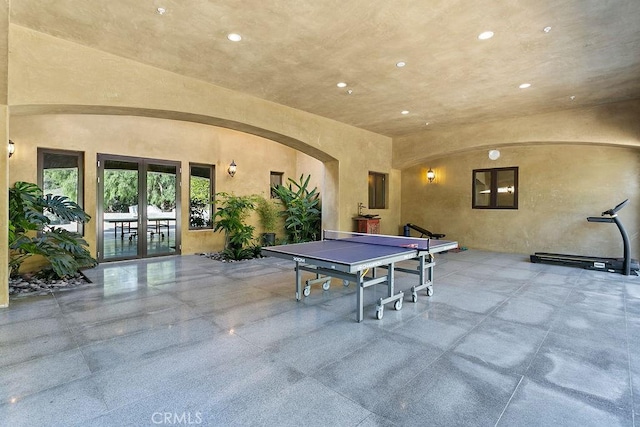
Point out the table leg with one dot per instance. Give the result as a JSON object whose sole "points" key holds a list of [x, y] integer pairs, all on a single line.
{"points": [[360, 302], [298, 282]]}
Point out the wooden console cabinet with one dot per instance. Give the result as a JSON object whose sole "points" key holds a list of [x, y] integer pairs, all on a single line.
{"points": [[367, 225]]}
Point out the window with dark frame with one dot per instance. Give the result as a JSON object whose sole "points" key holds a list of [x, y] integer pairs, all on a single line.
{"points": [[275, 179], [61, 173], [377, 190], [495, 188], [201, 191]]}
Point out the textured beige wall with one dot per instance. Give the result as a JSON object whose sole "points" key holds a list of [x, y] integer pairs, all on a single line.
{"points": [[47, 74], [560, 185], [159, 139], [615, 124]]}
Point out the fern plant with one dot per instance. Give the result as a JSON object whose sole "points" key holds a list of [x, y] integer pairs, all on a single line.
{"points": [[31, 232]]}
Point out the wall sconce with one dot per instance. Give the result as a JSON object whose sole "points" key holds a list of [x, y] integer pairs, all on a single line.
{"points": [[431, 175], [232, 168], [11, 148]]}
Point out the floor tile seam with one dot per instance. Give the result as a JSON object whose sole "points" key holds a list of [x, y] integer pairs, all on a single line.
{"points": [[601, 403], [124, 301], [45, 356], [591, 340], [84, 325], [533, 358], [90, 377], [157, 327], [372, 413], [332, 390], [353, 350], [417, 373], [149, 356], [35, 393], [515, 390], [631, 389]]}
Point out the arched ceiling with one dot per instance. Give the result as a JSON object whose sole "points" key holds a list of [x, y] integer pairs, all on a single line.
{"points": [[295, 52]]}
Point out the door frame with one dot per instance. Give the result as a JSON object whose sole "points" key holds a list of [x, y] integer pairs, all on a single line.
{"points": [[143, 166]]}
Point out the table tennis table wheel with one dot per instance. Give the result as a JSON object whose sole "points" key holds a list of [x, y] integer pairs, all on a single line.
{"points": [[326, 285], [307, 291], [414, 297], [379, 313], [345, 283], [398, 305], [429, 291]]}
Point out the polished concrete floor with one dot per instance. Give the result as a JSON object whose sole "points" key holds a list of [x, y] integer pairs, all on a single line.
{"points": [[191, 341]]}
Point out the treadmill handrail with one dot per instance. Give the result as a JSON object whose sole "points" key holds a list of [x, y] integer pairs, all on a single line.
{"points": [[600, 219], [616, 209]]}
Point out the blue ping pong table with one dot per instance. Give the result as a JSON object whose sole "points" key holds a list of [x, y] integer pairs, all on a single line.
{"points": [[354, 257]]}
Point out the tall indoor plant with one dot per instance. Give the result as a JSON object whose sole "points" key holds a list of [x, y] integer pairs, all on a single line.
{"points": [[268, 213], [302, 211]]}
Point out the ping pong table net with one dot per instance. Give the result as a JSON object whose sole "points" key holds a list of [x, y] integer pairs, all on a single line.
{"points": [[377, 239]]}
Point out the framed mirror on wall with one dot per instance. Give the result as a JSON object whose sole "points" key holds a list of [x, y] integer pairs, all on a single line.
{"points": [[495, 188]]}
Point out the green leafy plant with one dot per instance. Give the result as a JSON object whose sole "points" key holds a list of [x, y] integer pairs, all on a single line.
{"points": [[302, 211], [269, 213], [230, 218], [31, 231]]}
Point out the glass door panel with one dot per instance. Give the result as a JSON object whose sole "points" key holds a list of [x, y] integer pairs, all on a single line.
{"points": [[159, 217], [120, 213]]}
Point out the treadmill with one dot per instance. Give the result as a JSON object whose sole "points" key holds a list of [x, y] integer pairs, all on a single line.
{"points": [[625, 265]]}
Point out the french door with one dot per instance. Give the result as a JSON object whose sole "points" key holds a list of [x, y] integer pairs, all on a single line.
{"points": [[138, 207]]}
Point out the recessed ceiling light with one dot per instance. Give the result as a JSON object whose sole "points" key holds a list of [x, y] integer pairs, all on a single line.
{"points": [[572, 97], [234, 37], [342, 84], [525, 85], [426, 124], [546, 29], [400, 64], [486, 35], [161, 10], [405, 112]]}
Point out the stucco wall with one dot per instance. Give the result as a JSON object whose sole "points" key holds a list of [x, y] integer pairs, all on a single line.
{"points": [[560, 185], [614, 124], [165, 140], [48, 75]]}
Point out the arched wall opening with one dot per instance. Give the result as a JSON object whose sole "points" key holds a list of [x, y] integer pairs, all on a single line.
{"points": [[170, 136]]}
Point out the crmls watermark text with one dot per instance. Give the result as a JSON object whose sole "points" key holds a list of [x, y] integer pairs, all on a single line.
{"points": [[175, 418]]}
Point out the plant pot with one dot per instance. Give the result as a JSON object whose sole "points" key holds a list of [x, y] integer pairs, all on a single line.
{"points": [[268, 239]]}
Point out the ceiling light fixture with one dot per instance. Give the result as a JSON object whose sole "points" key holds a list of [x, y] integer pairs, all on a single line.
{"points": [[546, 29], [525, 85], [161, 10], [405, 112], [342, 84], [234, 37], [400, 64], [572, 97], [486, 35]]}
